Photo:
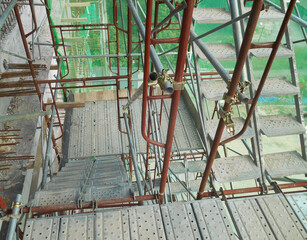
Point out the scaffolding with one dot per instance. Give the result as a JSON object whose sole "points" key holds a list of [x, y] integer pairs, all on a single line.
{"points": [[161, 128]]}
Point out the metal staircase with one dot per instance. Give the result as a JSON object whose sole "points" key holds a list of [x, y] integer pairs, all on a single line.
{"points": [[87, 179], [237, 168]]}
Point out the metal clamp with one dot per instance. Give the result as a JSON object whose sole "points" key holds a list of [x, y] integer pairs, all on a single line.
{"points": [[178, 85], [230, 100], [244, 85], [226, 116], [165, 82]]}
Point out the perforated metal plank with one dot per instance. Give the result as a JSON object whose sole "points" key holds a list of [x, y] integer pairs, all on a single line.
{"points": [[213, 90], [268, 14], [222, 51], [179, 221], [265, 217], [176, 187], [211, 15], [148, 223], [238, 123], [236, 168], [280, 125], [46, 198], [221, 15], [282, 52], [104, 193], [298, 202], [212, 219], [285, 164], [177, 167], [278, 86], [192, 166], [43, 228]]}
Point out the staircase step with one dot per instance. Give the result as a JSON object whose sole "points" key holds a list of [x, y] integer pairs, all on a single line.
{"points": [[91, 182], [276, 86], [283, 52], [213, 90], [193, 166], [285, 164], [176, 187], [221, 15], [236, 168], [280, 125], [70, 195], [238, 124], [211, 15], [227, 52]]}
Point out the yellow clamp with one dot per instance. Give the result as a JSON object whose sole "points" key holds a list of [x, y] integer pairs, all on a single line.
{"points": [[226, 116]]}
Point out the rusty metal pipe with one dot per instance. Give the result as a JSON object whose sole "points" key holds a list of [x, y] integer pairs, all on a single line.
{"points": [[184, 39], [85, 205], [245, 46]]}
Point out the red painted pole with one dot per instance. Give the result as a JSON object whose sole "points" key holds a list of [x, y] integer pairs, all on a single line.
{"points": [[183, 45]]}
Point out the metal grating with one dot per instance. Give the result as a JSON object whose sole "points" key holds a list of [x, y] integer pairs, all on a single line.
{"points": [[204, 219], [298, 202], [280, 125], [236, 168], [265, 217], [238, 123], [285, 164]]}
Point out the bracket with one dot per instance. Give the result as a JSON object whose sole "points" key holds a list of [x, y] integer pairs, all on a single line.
{"points": [[226, 116]]}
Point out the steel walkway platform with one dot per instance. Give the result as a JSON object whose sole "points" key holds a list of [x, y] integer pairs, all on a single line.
{"points": [[262, 217], [94, 129]]}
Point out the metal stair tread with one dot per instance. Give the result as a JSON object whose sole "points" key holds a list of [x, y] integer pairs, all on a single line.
{"points": [[280, 125], [268, 14], [227, 52], [193, 166], [274, 86], [284, 164], [277, 86], [237, 168], [176, 187], [283, 52], [221, 15], [69, 195], [211, 15], [238, 124]]}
